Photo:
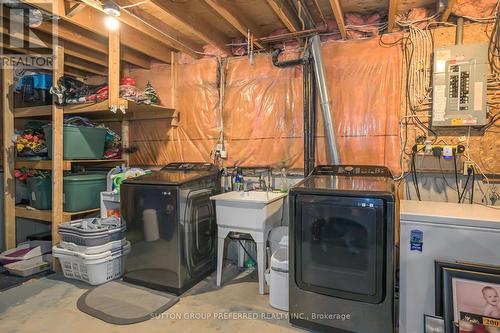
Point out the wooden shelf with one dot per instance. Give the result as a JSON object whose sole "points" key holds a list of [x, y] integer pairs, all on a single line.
{"points": [[101, 110], [47, 164], [46, 215]]}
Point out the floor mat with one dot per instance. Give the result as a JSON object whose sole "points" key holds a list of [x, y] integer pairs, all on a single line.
{"points": [[121, 303], [8, 280]]}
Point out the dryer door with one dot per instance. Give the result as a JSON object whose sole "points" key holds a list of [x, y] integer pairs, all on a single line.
{"points": [[199, 230], [339, 246]]}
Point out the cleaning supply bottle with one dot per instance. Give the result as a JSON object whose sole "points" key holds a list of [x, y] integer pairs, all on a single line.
{"points": [[226, 180]]}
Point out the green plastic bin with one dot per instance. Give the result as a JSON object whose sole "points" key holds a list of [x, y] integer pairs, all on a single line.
{"points": [[82, 192], [40, 192], [79, 142]]}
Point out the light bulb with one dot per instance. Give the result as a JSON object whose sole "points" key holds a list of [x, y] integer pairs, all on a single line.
{"points": [[111, 23]]}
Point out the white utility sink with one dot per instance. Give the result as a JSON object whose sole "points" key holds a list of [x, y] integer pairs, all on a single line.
{"points": [[254, 213], [255, 210]]}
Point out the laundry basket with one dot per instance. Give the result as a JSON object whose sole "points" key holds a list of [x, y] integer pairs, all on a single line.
{"points": [[92, 232], [94, 269]]}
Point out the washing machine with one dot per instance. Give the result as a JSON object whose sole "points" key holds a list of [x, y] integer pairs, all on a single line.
{"points": [[171, 225], [343, 250]]}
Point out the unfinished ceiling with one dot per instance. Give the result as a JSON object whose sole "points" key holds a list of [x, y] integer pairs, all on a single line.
{"points": [[153, 29]]}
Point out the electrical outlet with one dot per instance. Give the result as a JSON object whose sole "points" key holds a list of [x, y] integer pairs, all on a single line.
{"points": [[468, 165], [223, 153]]}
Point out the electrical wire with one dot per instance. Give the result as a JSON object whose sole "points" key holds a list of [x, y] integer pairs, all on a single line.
{"points": [[454, 153]]}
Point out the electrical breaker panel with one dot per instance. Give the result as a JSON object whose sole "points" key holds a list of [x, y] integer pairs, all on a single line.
{"points": [[459, 85]]}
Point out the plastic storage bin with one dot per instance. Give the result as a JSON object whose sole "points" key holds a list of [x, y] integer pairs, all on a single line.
{"points": [[40, 192], [25, 251], [94, 269], [30, 266], [82, 192], [39, 81], [79, 142], [33, 90], [101, 231]]}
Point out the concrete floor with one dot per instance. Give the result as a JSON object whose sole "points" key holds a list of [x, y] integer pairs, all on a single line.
{"points": [[49, 305]]}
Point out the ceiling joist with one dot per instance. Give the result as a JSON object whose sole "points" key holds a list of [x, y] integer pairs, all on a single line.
{"points": [[147, 29], [92, 20], [285, 14], [223, 9], [339, 17], [178, 15]]}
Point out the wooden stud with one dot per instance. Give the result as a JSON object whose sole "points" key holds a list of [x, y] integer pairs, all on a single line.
{"points": [[177, 13], [114, 68], [174, 77], [339, 17], [223, 10], [284, 14], [9, 187], [393, 12], [57, 150], [447, 11]]}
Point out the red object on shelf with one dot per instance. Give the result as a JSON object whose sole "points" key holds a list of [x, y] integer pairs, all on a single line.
{"points": [[128, 81]]}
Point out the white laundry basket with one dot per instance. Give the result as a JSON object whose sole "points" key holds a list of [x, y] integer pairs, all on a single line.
{"points": [[277, 279], [94, 269]]}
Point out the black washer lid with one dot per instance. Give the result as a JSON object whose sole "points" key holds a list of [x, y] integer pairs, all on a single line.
{"points": [[176, 174]]}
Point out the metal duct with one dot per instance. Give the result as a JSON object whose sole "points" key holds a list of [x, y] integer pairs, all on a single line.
{"points": [[459, 36], [319, 70]]}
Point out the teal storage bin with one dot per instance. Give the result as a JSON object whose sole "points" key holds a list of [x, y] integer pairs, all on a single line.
{"points": [[82, 192], [79, 142], [40, 192]]}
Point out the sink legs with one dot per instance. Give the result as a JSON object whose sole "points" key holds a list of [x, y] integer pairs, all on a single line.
{"points": [[220, 258], [259, 237], [261, 265]]}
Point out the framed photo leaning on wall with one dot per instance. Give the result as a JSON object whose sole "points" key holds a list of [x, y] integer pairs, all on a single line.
{"points": [[468, 297]]}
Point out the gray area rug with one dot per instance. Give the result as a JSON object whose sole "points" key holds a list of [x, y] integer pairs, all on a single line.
{"points": [[121, 303]]}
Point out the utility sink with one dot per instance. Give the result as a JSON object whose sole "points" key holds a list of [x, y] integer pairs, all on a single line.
{"points": [[253, 210]]}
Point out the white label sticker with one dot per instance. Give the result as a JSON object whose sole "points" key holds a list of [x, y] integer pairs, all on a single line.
{"points": [[441, 57], [478, 96], [33, 196], [439, 99]]}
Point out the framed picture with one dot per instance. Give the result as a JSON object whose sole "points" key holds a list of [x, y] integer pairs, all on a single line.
{"points": [[470, 297], [433, 324]]}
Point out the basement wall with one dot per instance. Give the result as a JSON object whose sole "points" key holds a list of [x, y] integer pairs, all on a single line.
{"points": [[263, 111]]}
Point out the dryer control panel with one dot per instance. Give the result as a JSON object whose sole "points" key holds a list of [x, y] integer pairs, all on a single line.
{"points": [[352, 170]]}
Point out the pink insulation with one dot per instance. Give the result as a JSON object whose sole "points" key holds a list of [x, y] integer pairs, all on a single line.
{"points": [[474, 8]]}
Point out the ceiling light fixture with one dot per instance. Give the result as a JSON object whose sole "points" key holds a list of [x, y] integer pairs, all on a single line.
{"points": [[111, 8], [111, 23]]}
